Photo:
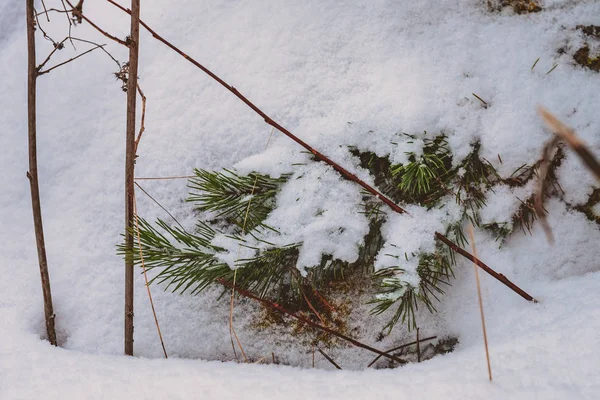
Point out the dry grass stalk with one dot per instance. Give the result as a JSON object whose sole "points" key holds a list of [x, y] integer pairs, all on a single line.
{"points": [[487, 352], [542, 187], [139, 241]]}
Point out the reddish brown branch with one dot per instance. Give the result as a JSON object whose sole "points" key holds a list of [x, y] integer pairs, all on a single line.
{"points": [[484, 267], [300, 318], [345, 173]]}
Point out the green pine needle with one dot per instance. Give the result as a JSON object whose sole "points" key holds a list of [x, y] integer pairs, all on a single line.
{"points": [[242, 200]]}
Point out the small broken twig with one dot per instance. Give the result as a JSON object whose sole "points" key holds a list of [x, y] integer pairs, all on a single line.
{"points": [[328, 358], [401, 347], [569, 136], [78, 14]]}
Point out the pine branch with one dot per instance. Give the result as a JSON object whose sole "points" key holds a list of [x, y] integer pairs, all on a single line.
{"points": [[424, 179], [229, 193], [434, 270]]}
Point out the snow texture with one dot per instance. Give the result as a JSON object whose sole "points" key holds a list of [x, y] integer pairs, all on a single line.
{"points": [[337, 74]]}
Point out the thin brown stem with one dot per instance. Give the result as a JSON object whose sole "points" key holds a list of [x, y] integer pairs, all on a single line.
{"points": [[57, 47], [142, 123], [32, 174], [80, 14], [129, 168], [418, 347], [70, 60], [400, 348], [45, 10], [328, 358], [160, 205], [485, 341]]}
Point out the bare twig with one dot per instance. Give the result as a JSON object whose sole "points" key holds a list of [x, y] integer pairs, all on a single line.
{"points": [[57, 47], [45, 10], [160, 205], [485, 104], [142, 123], [328, 358], [485, 341], [50, 10], [164, 178], [307, 321], [418, 347], [401, 347], [77, 13], [60, 46], [37, 23], [69, 21], [102, 47], [70, 59]]}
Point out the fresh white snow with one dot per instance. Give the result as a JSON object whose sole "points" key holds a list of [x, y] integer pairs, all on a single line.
{"points": [[335, 73]]}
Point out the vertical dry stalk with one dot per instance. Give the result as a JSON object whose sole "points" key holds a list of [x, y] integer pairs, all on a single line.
{"points": [[32, 174], [418, 347], [487, 352], [133, 43], [139, 243]]}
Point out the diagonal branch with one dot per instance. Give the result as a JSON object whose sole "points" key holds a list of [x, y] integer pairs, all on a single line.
{"points": [[344, 172], [402, 347], [70, 59], [484, 267], [79, 14]]}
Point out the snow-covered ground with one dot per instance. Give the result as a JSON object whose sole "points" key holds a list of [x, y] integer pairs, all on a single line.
{"points": [[315, 66]]}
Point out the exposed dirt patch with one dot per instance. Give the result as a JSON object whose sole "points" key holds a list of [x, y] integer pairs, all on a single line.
{"points": [[518, 6], [583, 58], [590, 30]]}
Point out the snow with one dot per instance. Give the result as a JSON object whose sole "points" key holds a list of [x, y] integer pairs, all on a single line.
{"points": [[334, 73]]}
